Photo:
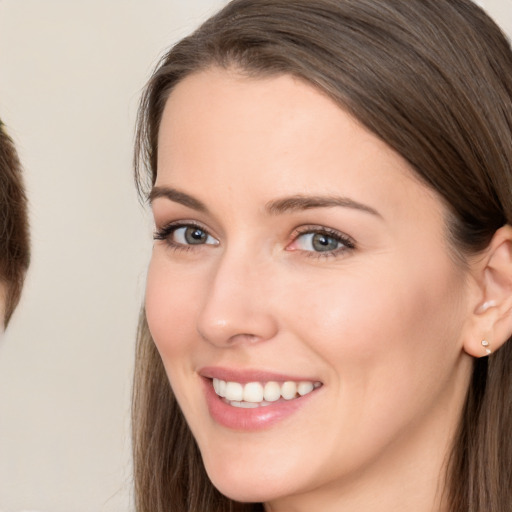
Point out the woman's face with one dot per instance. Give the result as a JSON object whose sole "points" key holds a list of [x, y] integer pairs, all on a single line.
{"points": [[295, 247]]}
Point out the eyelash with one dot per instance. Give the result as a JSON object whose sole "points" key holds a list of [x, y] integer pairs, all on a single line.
{"points": [[346, 242], [165, 234]]}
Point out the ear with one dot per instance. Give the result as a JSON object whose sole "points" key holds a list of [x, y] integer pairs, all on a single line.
{"points": [[492, 316]]}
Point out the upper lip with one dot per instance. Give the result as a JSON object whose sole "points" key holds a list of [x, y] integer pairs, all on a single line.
{"points": [[244, 376]]}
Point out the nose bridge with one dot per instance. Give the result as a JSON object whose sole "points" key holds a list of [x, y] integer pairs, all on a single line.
{"points": [[236, 307]]}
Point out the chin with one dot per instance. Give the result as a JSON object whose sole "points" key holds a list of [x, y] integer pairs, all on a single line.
{"points": [[239, 487], [246, 492], [249, 485]]}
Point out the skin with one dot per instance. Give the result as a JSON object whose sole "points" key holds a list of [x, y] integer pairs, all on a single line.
{"points": [[381, 324]]}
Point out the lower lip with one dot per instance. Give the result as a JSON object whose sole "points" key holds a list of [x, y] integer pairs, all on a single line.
{"points": [[257, 418]]}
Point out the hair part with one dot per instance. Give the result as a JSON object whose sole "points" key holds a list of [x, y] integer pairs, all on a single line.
{"points": [[445, 105]]}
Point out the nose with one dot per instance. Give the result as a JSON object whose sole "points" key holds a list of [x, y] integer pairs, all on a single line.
{"points": [[237, 306]]}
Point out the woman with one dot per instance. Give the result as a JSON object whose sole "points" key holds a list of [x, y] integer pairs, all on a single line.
{"points": [[14, 239], [330, 182]]}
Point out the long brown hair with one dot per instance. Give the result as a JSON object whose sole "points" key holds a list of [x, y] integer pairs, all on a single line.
{"points": [[14, 237], [432, 79]]}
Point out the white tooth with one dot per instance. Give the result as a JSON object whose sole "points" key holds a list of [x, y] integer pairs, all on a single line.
{"points": [[234, 391], [288, 390], [253, 392], [256, 393], [272, 391], [222, 388], [304, 388], [247, 405]]}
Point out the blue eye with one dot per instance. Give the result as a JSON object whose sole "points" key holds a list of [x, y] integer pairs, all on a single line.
{"points": [[185, 235], [318, 242], [192, 235], [321, 241]]}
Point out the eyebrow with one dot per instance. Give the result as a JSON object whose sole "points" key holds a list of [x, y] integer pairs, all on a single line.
{"points": [[274, 207], [177, 197], [303, 202]]}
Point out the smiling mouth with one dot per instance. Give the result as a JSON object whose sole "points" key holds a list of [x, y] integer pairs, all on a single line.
{"points": [[261, 394]]}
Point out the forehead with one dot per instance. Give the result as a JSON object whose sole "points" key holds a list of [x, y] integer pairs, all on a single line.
{"points": [[274, 136]]}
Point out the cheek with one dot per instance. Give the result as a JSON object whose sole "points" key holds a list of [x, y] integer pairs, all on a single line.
{"points": [[389, 343], [383, 328], [170, 300]]}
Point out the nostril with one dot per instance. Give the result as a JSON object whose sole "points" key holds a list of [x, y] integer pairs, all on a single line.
{"points": [[247, 338]]}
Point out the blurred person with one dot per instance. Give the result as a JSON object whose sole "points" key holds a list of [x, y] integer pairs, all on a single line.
{"points": [[14, 234]]}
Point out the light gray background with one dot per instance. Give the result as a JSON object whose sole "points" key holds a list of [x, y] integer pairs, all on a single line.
{"points": [[70, 78]]}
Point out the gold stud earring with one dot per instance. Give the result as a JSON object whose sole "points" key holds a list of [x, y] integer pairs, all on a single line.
{"points": [[486, 345]]}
